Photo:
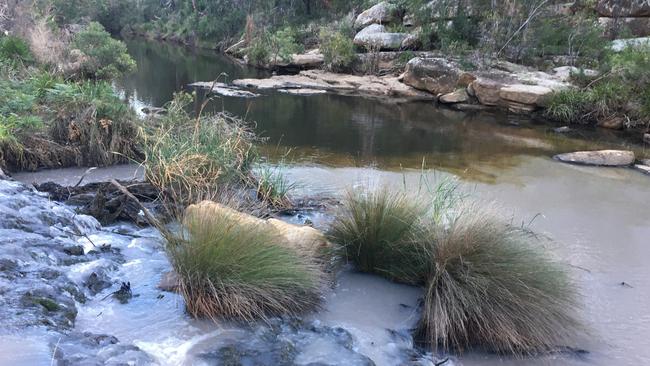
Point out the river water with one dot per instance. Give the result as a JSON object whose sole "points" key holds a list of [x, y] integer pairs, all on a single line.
{"points": [[599, 217]]}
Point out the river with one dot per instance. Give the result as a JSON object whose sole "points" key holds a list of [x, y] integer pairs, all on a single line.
{"points": [[599, 217]]}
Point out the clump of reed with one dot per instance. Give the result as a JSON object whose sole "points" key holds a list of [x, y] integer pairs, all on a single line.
{"points": [[272, 187], [190, 159], [232, 269], [488, 284]]}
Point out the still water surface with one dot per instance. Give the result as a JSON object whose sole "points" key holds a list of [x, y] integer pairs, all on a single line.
{"points": [[599, 217]]}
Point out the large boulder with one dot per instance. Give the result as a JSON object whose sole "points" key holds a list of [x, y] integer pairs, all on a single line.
{"points": [[435, 75], [623, 8], [381, 13], [487, 91], [375, 36], [599, 157], [457, 96], [525, 94], [304, 239]]}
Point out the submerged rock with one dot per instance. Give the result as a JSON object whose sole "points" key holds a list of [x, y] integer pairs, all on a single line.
{"points": [[645, 169], [600, 157], [224, 89]]}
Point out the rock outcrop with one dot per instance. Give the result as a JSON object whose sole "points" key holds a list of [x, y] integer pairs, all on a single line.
{"points": [[435, 75], [375, 36], [600, 157], [372, 86], [621, 15], [381, 13]]}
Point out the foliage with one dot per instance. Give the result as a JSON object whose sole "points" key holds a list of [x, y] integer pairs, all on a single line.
{"points": [[337, 49], [15, 49], [487, 283], [375, 231], [492, 285], [621, 92], [274, 47], [106, 58], [229, 269], [189, 159]]}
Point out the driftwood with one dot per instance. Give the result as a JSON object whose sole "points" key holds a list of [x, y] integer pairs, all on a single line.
{"points": [[106, 201]]}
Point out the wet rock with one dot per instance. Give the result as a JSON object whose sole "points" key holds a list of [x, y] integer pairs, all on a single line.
{"points": [[381, 13], [74, 250], [98, 349], [601, 157], [646, 138], [97, 282], [224, 89], [613, 123], [645, 169], [124, 294], [435, 75], [458, 96]]}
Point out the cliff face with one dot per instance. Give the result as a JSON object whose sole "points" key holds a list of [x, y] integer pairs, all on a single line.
{"points": [[625, 17]]}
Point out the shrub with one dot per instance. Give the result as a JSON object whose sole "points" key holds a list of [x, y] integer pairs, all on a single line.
{"points": [[259, 52], [337, 49], [273, 188], [15, 49], [568, 105], [233, 270], [492, 285], [107, 58], [487, 283], [190, 158], [375, 230], [283, 45]]}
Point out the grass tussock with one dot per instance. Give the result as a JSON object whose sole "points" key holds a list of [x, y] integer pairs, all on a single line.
{"points": [[375, 230], [273, 188], [488, 284], [189, 159], [240, 271], [493, 285]]}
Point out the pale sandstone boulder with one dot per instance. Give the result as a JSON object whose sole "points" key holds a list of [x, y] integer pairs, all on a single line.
{"points": [[457, 96], [599, 157], [525, 94], [435, 75], [378, 14]]}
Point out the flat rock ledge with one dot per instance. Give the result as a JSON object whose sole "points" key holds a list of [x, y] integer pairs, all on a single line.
{"points": [[224, 89], [599, 158], [317, 80]]}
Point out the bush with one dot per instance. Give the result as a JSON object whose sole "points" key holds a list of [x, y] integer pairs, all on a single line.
{"points": [[229, 269], [487, 283], [273, 188], [337, 49], [492, 285], [107, 58], [189, 158], [15, 49], [283, 45]]}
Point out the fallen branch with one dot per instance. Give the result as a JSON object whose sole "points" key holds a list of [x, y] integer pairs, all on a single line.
{"points": [[147, 214]]}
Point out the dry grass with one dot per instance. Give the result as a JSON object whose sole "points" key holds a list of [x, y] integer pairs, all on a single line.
{"points": [[488, 284], [193, 159], [230, 269], [493, 285]]}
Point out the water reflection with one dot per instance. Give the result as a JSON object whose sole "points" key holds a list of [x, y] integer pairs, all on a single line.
{"points": [[348, 131]]}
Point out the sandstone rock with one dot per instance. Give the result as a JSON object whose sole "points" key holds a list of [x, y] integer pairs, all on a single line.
{"points": [[458, 96], [646, 138], [638, 27], [309, 60], [224, 89], [564, 73], [623, 8], [614, 123], [533, 95], [304, 239], [645, 169], [435, 75], [619, 45], [378, 14], [487, 91], [375, 36], [600, 157]]}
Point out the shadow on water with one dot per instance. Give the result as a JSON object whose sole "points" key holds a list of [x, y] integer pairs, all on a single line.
{"points": [[344, 131]]}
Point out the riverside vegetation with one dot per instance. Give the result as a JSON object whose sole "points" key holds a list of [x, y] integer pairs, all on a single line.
{"points": [[487, 282]]}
